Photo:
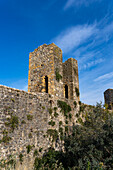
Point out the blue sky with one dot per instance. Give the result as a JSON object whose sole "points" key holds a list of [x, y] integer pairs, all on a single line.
{"points": [[83, 29]]}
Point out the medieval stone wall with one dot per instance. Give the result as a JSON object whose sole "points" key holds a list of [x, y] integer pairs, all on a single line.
{"points": [[40, 117], [36, 114]]}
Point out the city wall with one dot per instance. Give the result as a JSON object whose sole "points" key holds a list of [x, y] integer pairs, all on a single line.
{"points": [[25, 119]]}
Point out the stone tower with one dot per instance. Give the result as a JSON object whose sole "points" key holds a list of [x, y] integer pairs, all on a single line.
{"points": [[44, 63], [48, 74], [108, 96], [70, 79]]}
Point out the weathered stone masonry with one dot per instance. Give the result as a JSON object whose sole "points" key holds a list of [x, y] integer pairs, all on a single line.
{"points": [[108, 96], [44, 62], [37, 110]]}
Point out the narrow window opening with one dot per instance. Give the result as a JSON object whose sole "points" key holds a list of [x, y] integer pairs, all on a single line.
{"points": [[66, 91], [46, 84]]}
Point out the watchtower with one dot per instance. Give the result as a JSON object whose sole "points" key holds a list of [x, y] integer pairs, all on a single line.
{"points": [[45, 70], [70, 79], [108, 96], [48, 74]]}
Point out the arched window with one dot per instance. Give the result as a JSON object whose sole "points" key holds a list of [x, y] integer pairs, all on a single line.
{"points": [[66, 91], [46, 84]]}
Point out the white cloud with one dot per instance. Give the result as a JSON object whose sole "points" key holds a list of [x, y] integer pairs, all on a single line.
{"points": [[74, 36], [71, 3], [91, 63], [77, 36], [104, 77]]}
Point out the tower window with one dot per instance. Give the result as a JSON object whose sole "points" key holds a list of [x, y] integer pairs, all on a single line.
{"points": [[46, 84], [66, 91]]}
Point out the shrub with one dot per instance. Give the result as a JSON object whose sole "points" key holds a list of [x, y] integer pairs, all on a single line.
{"points": [[80, 120], [29, 117], [75, 103], [35, 153], [9, 163], [55, 108], [52, 123], [61, 130], [64, 107], [56, 114], [48, 161], [53, 133], [66, 128], [70, 116], [12, 122], [82, 108], [5, 139], [5, 132], [89, 146], [50, 111]]}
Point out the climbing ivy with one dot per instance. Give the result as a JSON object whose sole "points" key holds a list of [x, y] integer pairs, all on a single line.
{"points": [[53, 133], [75, 103], [29, 117], [65, 108], [29, 147], [50, 111], [52, 123], [21, 158], [58, 76], [9, 163], [77, 91], [12, 122]]}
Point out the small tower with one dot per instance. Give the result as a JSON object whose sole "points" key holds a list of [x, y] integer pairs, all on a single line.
{"points": [[45, 70], [108, 97], [70, 79]]}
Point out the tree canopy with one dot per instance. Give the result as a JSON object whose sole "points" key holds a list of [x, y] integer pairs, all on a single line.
{"points": [[88, 146]]}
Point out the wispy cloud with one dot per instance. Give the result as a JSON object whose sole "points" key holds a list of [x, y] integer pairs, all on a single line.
{"points": [[74, 36], [85, 39], [71, 3], [91, 64], [104, 77], [68, 4]]}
